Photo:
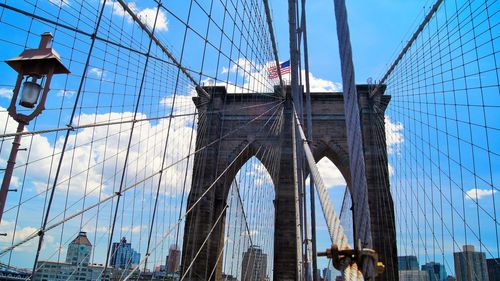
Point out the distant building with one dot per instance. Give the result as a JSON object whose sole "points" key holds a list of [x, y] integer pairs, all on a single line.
{"points": [[327, 274], [123, 256], [159, 271], [319, 274], [408, 263], [14, 272], [254, 264], [58, 271], [470, 265], [435, 271], [159, 268], [413, 275], [48, 270], [173, 260], [76, 267], [493, 269], [79, 250]]}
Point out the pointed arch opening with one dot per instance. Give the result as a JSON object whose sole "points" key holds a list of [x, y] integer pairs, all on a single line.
{"points": [[248, 246], [338, 189]]}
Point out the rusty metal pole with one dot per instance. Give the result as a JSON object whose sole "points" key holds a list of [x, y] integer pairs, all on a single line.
{"points": [[34, 63], [10, 168]]}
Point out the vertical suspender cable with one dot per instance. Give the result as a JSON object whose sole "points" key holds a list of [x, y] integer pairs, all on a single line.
{"points": [[122, 180], [310, 138], [41, 233], [275, 49]]}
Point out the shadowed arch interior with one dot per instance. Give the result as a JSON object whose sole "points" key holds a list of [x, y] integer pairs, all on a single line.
{"points": [[249, 224]]}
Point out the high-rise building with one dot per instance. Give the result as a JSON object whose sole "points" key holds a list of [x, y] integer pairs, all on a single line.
{"points": [[327, 274], [76, 265], [413, 275], [435, 271], [409, 269], [408, 263], [493, 269], [159, 271], [173, 260], [123, 256], [79, 250], [319, 274], [470, 265], [254, 264]]}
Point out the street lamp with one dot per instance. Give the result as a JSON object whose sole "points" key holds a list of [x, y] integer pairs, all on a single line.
{"points": [[32, 66]]}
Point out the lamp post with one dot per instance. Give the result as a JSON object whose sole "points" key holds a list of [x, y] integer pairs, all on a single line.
{"points": [[31, 65]]}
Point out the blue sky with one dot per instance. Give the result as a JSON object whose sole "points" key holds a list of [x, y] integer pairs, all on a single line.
{"points": [[378, 29]]}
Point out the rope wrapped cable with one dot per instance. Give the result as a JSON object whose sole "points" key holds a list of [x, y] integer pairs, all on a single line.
{"points": [[337, 235], [354, 138]]}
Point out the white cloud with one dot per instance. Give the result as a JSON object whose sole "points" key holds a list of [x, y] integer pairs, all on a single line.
{"points": [[330, 174], [321, 85], [244, 67], [146, 15], [183, 104], [118, 9], [96, 72], [477, 194], [14, 182], [94, 160], [22, 232], [6, 93], [65, 93], [391, 169], [394, 135], [256, 77], [259, 174]]}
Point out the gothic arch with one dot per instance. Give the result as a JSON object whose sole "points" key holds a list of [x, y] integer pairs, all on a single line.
{"points": [[335, 153], [329, 140], [244, 151]]}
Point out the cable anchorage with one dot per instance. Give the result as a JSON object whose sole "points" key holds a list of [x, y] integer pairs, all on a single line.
{"points": [[341, 259]]}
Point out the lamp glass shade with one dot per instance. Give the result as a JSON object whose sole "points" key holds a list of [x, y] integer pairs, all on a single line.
{"points": [[30, 93]]}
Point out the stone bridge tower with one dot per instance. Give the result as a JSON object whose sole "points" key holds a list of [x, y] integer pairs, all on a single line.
{"points": [[225, 114]]}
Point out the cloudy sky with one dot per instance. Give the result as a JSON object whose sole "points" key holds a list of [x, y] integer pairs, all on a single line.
{"points": [[94, 156]]}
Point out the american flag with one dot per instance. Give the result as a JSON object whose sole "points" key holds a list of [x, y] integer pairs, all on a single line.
{"points": [[284, 67]]}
